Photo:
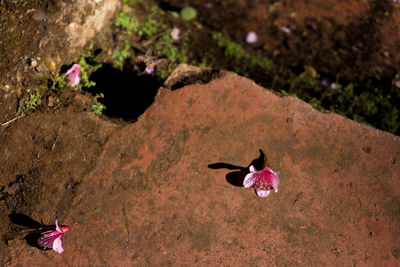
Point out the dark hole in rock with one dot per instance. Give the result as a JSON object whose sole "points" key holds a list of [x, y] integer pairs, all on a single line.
{"points": [[164, 5], [127, 94]]}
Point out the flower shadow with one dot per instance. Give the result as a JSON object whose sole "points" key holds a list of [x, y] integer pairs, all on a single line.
{"points": [[28, 225], [236, 178]]}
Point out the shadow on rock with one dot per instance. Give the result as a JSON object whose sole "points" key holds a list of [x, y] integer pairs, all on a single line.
{"points": [[236, 178], [32, 228]]}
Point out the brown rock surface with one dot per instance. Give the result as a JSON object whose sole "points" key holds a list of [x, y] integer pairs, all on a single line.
{"points": [[152, 200]]}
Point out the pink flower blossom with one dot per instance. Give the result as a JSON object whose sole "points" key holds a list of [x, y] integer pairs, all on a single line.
{"points": [[52, 238], [176, 34], [149, 69], [286, 30], [251, 37], [74, 75], [263, 180]]}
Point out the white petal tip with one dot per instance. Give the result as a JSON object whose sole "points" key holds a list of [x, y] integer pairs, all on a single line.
{"points": [[263, 193], [252, 169]]}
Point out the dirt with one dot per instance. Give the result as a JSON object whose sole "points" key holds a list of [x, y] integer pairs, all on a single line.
{"points": [[44, 159], [46, 154]]}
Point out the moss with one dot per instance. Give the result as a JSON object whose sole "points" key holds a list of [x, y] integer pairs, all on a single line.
{"points": [[236, 51], [121, 54], [127, 23], [153, 23], [132, 3]]}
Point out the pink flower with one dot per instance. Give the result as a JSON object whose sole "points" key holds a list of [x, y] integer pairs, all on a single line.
{"points": [[286, 30], [263, 180], [149, 69], [74, 75], [52, 238], [251, 37], [176, 34]]}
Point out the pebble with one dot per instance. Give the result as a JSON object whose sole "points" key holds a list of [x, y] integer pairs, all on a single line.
{"points": [[33, 63]]}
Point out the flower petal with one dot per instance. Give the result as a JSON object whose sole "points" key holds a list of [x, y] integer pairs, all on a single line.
{"points": [[249, 180], [57, 245], [252, 169], [149, 69], [47, 238], [263, 193], [251, 37], [73, 75], [58, 229], [275, 181]]}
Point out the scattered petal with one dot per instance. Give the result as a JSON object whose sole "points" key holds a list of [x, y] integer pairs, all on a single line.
{"points": [[334, 86], [251, 38], [176, 34], [325, 82], [286, 30]]}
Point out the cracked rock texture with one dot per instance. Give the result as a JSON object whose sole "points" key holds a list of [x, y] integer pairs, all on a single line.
{"points": [[153, 200]]}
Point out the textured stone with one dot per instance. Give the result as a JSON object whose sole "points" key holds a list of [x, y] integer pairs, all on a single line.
{"points": [[153, 200], [97, 15]]}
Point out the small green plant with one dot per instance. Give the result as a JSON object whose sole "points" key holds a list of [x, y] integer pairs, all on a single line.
{"points": [[132, 3], [167, 48], [31, 102], [56, 82], [236, 51], [285, 93], [127, 23], [121, 54], [152, 25], [149, 28], [98, 107], [188, 13]]}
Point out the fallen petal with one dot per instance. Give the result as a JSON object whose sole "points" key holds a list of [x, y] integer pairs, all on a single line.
{"points": [[251, 38], [286, 30], [176, 34]]}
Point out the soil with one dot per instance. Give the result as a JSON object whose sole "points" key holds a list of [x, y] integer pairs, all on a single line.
{"points": [[46, 153]]}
